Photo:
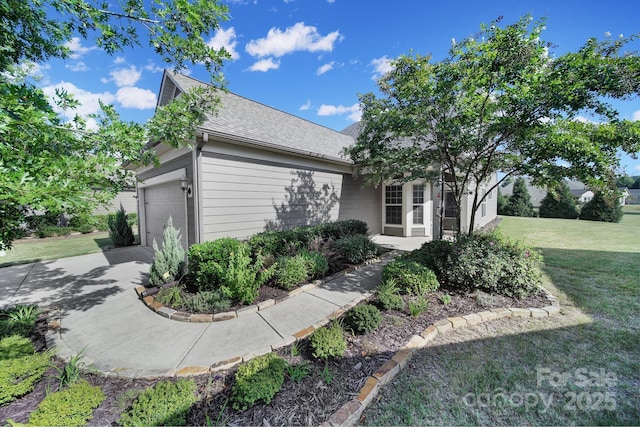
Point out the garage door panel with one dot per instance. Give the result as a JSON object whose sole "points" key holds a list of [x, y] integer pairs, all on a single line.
{"points": [[162, 201]]}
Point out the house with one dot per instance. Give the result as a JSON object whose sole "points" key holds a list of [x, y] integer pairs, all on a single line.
{"points": [[256, 168], [634, 196], [624, 195]]}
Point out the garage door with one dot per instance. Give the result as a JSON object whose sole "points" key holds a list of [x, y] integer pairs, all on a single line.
{"points": [[162, 201]]}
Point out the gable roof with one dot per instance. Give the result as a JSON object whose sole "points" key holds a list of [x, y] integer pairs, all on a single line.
{"points": [[243, 120]]}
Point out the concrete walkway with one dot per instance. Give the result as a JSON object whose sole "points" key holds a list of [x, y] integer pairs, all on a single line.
{"points": [[92, 298]]}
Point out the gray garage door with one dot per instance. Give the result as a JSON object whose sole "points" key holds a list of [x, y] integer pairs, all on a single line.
{"points": [[162, 201]]}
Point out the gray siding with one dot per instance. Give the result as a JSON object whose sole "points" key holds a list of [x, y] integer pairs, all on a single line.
{"points": [[241, 196], [179, 163], [128, 200]]}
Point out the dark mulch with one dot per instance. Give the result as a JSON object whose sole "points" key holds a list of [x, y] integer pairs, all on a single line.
{"points": [[308, 402]]}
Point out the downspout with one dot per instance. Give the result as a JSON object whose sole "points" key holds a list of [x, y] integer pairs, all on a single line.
{"points": [[196, 153]]}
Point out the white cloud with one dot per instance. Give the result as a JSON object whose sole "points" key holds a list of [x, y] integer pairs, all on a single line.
{"points": [[326, 67], [89, 101], [331, 1], [125, 76], [119, 60], [381, 66], [265, 65], [226, 39], [637, 167], [78, 66], [636, 115], [135, 97], [353, 112], [583, 119], [153, 68], [306, 106], [300, 37], [76, 48]]}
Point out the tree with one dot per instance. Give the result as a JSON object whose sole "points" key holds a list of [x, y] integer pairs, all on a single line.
{"points": [[559, 203], [499, 102], [502, 203], [519, 203], [49, 164], [603, 207]]}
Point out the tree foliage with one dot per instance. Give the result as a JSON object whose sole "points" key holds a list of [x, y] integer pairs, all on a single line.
{"points": [[500, 101], [519, 203], [49, 164], [602, 207], [559, 203]]}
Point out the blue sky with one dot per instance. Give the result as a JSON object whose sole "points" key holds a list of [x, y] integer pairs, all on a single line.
{"points": [[312, 58]]}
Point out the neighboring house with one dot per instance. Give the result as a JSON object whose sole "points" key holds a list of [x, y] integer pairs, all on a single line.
{"points": [[256, 168], [624, 195], [126, 198], [634, 196], [536, 193]]}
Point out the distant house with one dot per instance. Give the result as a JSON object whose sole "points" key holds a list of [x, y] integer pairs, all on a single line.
{"points": [[624, 195], [126, 198], [579, 190], [634, 196], [256, 168]]}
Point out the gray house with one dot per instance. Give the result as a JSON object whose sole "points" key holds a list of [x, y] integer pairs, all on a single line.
{"points": [[256, 168]]}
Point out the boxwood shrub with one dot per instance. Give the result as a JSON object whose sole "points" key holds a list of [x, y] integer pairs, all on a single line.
{"points": [[207, 261], [328, 342], [356, 249], [258, 380], [72, 406], [410, 276], [167, 403], [363, 319]]}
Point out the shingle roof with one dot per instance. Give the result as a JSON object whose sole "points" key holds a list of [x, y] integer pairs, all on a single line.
{"points": [[245, 120]]}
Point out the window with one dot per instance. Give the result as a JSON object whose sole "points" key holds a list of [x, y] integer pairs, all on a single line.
{"points": [[483, 205], [393, 202], [418, 204]]}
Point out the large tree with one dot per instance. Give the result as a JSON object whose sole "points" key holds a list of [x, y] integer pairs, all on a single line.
{"points": [[500, 101], [559, 203], [519, 203], [49, 164]]}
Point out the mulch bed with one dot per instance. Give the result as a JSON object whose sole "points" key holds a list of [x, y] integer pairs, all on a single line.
{"points": [[308, 402]]}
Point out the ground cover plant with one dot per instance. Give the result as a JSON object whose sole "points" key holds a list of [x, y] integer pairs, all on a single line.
{"points": [[592, 268]]}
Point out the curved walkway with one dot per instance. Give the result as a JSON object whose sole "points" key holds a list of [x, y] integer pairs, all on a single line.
{"points": [[93, 306]]}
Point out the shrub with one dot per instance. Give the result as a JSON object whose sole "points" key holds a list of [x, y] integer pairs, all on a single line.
{"points": [[291, 271], [19, 375], [101, 222], [15, 346], [172, 296], [388, 295], [519, 203], [317, 264], [483, 261], [207, 301], [559, 203], [258, 379], [411, 276], [208, 260], [72, 406], [328, 342], [168, 263], [242, 278], [52, 231], [341, 229], [357, 249], [167, 403], [602, 207], [120, 231], [363, 319], [417, 306]]}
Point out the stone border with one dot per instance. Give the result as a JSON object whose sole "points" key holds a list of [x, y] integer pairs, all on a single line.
{"points": [[351, 411], [170, 313]]}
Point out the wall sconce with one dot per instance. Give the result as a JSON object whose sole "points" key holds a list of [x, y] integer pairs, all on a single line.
{"points": [[186, 187]]}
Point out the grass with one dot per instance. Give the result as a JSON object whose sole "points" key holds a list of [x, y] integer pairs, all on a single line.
{"points": [[54, 248], [579, 367]]}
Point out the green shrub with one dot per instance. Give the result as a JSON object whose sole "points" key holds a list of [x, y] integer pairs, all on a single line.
{"points": [[171, 296], [559, 203], [120, 231], [363, 319], [357, 249], [341, 229], [168, 263], [411, 276], [317, 264], [15, 346], [207, 302], [101, 222], [8, 328], [328, 342], [291, 271], [418, 305], [72, 406], [388, 295], [52, 230], [243, 277], [167, 403], [485, 261], [208, 260], [258, 379], [602, 207], [19, 375]]}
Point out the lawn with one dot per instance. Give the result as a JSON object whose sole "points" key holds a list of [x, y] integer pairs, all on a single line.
{"points": [[53, 248], [579, 367]]}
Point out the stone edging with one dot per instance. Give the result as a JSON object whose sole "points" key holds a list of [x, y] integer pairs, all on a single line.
{"points": [[170, 313], [351, 411]]}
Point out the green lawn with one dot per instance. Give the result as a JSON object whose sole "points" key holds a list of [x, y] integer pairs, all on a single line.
{"points": [[580, 367], [54, 248]]}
